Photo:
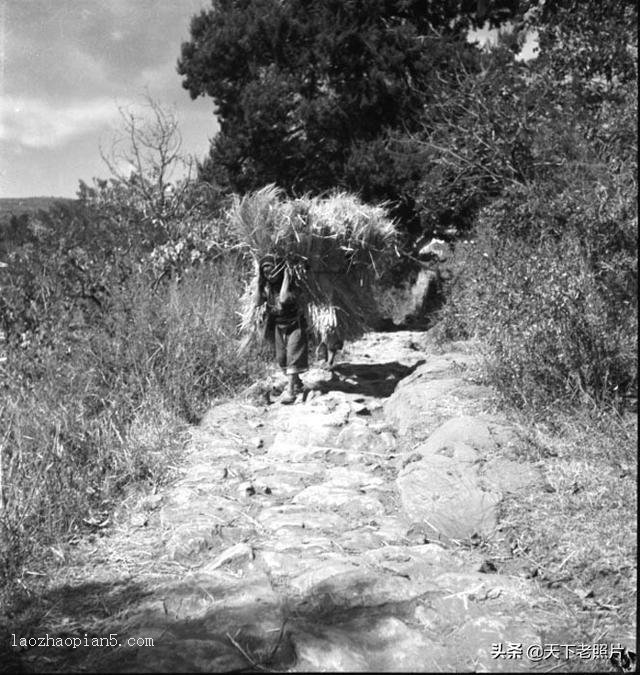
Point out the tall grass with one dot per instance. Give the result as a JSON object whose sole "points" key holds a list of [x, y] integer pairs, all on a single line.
{"points": [[90, 408], [549, 284]]}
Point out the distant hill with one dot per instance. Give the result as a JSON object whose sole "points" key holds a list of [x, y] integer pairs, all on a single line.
{"points": [[19, 205]]}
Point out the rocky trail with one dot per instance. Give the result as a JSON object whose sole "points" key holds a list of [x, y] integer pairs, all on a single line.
{"points": [[342, 533]]}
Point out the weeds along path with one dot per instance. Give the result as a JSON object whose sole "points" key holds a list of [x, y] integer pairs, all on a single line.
{"points": [[341, 533]]}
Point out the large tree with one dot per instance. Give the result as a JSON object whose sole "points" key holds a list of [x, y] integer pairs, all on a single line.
{"points": [[511, 122], [589, 46], [306, 92]]}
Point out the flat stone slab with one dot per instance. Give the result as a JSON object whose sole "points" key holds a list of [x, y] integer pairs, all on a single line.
{"points": [[265, 465], [362, 438], [213, 509], [300, 539], [458, 451], [284, 447], [365, 644], [285, 566], [351, 477], [426, 555], [348, 501], [409, 407], [277, 517], [361, 539], [284, 483], [507, 476], [419, 408], [444, 495], [449, 363], [188, 540], [340, 586], [475, 432]]}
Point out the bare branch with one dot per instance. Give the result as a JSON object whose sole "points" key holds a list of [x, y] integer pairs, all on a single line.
{"points": [[146, 157]]}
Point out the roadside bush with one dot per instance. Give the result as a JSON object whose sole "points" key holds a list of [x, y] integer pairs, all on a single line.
{"points": [[180, 338], [549, 283], [92, 403]]}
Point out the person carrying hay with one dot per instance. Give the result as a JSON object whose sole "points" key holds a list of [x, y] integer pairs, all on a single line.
{"points": [[285, 321]]}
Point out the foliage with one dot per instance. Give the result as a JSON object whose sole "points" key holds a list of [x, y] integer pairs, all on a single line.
{"points": [[388, 168], [304, 89], [588, 47], [550, 285], [476, 140], [76, 390], [119, 327], [151, 203], [544, 172], [150, 151]]}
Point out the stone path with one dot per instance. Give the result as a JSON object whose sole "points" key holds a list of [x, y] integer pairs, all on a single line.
{"points": [[339, 534]]}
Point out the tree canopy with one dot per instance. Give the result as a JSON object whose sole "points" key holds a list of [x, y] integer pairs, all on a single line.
{"points": [[388, 99], [306, 92]]}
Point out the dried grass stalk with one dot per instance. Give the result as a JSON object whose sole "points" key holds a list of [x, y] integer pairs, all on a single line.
{"points": [[334, 247]]}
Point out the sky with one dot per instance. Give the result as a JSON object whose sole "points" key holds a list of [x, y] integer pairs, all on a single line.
{"points": [[66, 66]]}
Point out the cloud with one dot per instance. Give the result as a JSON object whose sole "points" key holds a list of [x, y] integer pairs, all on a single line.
{"points": [[37, 123], [67, 66], [68, 48], [162, 77]]}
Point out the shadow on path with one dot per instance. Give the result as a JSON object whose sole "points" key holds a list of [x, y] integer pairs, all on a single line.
{"points": [[67, 611], [375, 379], [251, 635], [114, 612]]}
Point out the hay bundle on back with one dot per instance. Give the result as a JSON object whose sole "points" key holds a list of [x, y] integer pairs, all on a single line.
{"points": [[334, 248]]}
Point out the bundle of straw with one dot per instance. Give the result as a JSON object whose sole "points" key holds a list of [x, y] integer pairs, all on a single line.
{"points": [[334, 248]]}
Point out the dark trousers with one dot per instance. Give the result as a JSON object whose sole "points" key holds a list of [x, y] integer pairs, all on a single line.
{"points": [[292, 353]]}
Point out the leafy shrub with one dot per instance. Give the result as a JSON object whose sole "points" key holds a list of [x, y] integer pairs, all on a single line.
{"points": [[550, 282], [105, 362], [183, 334], [549, 285]]}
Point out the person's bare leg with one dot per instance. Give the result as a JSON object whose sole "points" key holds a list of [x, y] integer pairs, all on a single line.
{"points": [[334, 343], [331, 358], [295, 383]]}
